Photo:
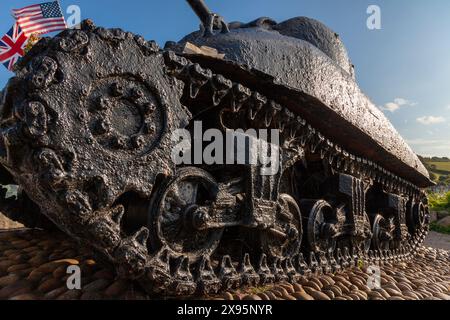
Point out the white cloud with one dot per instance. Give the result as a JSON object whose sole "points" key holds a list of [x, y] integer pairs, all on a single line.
{"points": [[422, 142], [390, 106], [429, 120], [404, 102], [431, 147], [397, 104]]}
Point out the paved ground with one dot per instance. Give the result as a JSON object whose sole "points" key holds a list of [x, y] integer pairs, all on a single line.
{"points": [[438, 240], [33, 265]]}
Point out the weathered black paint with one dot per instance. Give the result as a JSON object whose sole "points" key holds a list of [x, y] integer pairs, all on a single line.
{"points": [[86, 129]]}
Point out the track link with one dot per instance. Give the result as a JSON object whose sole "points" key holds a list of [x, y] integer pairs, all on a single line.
{"points": [[234, 274]]}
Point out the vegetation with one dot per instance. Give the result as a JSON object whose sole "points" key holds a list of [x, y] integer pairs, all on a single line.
{"points": [[439, 202], [438, 228], [260, 289], [439, 169]]}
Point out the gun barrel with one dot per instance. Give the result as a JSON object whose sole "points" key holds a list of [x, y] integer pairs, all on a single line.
{"points": [[201, 10]]}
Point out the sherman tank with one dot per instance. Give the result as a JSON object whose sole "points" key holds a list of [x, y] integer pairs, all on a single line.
{"points": [[87, 135]]}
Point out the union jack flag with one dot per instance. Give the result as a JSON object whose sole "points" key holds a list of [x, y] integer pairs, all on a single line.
{"points": [[12, 46]]}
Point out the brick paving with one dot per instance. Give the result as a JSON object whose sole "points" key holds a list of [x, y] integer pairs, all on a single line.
{"points": [[438, 241], [33, 266]]}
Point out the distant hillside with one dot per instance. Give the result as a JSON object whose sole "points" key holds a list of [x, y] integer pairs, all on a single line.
{"points": [[439, 169]]}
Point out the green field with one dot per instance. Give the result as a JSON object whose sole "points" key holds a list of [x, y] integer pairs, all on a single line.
{"points": [[442, 166], [439, 197], [439, 169]]}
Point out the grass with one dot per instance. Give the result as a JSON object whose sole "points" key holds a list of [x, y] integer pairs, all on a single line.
{"points": [[439, 169], [439, 202], [260, 289], [441, 166], [438, 228]]}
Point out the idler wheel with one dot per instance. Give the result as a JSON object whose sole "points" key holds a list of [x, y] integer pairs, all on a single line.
{"points": [[176, 214], [417, 218]]}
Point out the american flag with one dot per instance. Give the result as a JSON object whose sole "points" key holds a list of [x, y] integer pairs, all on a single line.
{"points": [[40, 18], [12, 46]]}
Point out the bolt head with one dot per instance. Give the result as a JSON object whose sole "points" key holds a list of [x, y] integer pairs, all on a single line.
{"points": [[149, 128], [119, 142], [200, 218], [148, 108], [104, 103], [138, 141], [117, 89], [103, 126], [137, 93]]}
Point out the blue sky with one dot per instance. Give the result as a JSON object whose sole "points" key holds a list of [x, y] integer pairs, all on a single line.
{"points": [[404, 67]]}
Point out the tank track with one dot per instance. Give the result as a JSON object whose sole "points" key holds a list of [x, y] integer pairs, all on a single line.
{"points": [[232, 274], [166, 273], [204, 279]]}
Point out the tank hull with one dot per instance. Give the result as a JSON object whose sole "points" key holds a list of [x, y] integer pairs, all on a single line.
{"points": [[291, 70]]}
